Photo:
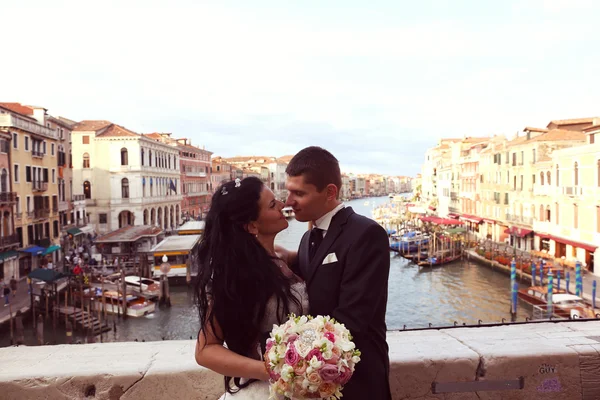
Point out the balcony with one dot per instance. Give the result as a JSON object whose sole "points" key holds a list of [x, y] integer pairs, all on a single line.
{"points": [[29, 214], [195, 174], [519, 219], [78, 197], [41, 213], [8, 198], [19, 215], [39, 186], [9, 240], [544, 190], [37, 154], [572, 191], [14, 121]]}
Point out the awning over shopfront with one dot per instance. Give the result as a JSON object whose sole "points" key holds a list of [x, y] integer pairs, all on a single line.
{"points": [[519, 232], [52, 249], [471, 218], [453, 215], [46, 275], [585, 246], [8, 255], [440, 221], [34, 250], [74, 231], [489, 221]]}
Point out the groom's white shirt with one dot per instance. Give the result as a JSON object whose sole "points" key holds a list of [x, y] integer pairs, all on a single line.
{"points": [[324, 222]]}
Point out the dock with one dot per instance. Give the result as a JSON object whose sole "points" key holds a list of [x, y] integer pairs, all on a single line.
{"points": [[83, 320]]}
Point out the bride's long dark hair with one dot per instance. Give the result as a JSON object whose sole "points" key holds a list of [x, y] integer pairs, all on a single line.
{"points": [[236, 275]]}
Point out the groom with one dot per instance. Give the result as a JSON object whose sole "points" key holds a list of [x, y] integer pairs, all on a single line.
{"points": [[345, 262]]}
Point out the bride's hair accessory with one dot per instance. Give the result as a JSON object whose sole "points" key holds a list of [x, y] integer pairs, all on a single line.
{"points": [[238, 182], [224, 191]]}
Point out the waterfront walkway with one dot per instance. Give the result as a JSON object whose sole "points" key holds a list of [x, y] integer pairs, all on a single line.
{"points": [[21, 302], [588, 278]]}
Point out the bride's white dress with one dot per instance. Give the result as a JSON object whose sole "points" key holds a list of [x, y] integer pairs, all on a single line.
{"points": [[260, 390]]}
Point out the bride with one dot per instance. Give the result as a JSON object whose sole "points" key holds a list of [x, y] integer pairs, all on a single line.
{"points": [[243, 286]]}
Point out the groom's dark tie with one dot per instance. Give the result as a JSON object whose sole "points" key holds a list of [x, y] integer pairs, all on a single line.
{"points": [[316, 237]]}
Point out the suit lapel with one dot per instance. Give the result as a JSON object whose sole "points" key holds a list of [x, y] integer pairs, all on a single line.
{"points": [[335, 229], [303, 256]]}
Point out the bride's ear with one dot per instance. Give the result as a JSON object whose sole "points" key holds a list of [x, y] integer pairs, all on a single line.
{"points": [[251, 228]]}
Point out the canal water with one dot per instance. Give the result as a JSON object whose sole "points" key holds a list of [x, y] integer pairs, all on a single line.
{"points": [[463, 291]]}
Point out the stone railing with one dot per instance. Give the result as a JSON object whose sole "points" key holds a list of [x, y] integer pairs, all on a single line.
{"points": [[524, 361]]}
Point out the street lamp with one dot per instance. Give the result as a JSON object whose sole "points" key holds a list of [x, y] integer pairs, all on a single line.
{"points": [[165, 267]]}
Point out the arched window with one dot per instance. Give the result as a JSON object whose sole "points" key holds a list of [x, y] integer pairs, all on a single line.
{"points": [[86, 160], [125, 188], [576, 174], [4, 181], [87, 189], [548, 175], [542, 213], [124, 158], [541, 178], [150, 157], [142, 160]]}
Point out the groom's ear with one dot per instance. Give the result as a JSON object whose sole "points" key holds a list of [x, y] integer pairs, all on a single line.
{"points": [[332, 192]]}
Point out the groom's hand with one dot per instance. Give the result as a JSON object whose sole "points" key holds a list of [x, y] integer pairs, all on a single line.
{"points": [[288, 256]]}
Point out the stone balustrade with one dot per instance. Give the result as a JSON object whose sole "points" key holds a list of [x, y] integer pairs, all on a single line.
{"points": [[551, 360]]}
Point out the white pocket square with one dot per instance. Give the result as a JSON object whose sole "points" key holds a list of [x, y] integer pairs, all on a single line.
{"points": [[331, 258]]}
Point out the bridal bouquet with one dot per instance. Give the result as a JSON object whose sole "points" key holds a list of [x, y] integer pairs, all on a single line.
{"points": [[310, 358]]}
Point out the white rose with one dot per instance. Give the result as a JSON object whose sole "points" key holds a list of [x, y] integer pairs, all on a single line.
{"points": [[345, 345], [315, 363], [355, 359], [302, 348], [287, 372]]}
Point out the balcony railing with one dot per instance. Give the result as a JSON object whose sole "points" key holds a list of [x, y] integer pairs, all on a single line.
{"points": [[8, 197], [41, 213], [39, 186], [29, 214], [572, 190], [11, 120], [9, 240], [37, 154], [195, 173], [78, 197], [519, 219], [19, 215]]}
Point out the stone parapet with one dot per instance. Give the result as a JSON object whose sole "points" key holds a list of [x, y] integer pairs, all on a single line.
{"points": [[528, 361]]}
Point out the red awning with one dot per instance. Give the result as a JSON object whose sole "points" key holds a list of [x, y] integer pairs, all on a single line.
{"points": [[516, 231], [542, 235], [491, 221], [453, 215], [432, 208], [440, 221], [471, 218], [585, 246]]}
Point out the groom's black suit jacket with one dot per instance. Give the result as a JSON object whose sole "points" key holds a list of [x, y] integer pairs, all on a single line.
{"points": [[353, 290]]}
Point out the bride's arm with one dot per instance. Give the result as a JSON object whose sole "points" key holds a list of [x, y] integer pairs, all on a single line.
{"points": [[286, 255], [211, 353]]}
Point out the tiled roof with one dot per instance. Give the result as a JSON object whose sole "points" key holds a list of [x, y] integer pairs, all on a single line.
{"points": [[129, 234], [246, 158], [91, 125], [285, 159], [117, 130], [592, 128], [573, 121], [552, 135], [18, 108], [155, 136]]}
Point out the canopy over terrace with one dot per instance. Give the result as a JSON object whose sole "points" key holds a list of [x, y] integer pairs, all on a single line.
{"points": [[440, 221]]}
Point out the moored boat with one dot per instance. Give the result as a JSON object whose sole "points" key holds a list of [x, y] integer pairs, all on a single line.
{"points": [[288, 212], [565, 305], [137, 306]]}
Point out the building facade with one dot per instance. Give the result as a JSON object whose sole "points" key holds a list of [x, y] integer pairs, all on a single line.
{"points": [[33, 154], [125, 178]]}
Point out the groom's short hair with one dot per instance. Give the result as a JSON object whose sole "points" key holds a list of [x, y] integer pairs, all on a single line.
{"points": [[318, 166]]}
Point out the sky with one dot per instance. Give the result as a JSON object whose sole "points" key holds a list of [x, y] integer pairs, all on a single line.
{"points": [[376, 83]]}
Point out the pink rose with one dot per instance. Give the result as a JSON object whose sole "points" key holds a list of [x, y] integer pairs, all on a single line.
{"points": [[314, 353], [333, 360], [344, 376], [269, 344], [314, 378], [329, 327], [274, 376], [291, 356], [327, 389], [300, 367], [292, 338], [330, 336], [329, 373]]}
